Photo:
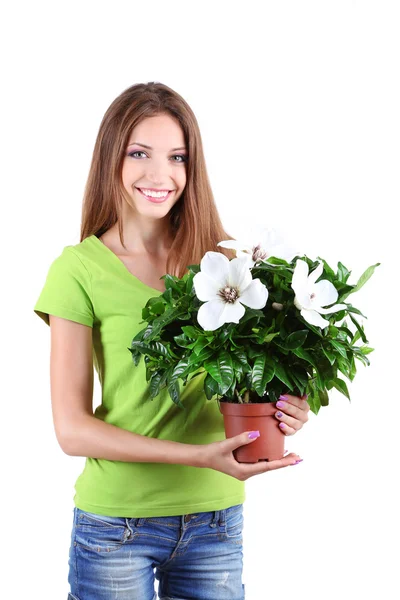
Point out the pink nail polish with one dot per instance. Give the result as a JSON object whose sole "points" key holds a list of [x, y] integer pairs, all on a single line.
{"points": [[253, 434]]}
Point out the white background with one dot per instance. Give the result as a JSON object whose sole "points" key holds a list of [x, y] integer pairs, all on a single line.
{"points": [[298, 105]]}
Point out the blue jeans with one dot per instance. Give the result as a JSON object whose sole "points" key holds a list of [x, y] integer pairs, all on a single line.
{"points": [[195, 557]]}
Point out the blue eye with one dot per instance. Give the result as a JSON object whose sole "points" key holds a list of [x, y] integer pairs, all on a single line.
{"points": [[182, 156]]}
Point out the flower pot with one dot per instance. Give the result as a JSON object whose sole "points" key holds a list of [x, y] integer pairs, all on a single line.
{"points": [[252, 417]]}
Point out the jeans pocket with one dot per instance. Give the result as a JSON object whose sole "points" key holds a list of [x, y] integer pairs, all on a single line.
{"points": [[101, 533]]}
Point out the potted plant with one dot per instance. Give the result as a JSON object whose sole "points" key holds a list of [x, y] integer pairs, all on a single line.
{"points": [[259, 325]]}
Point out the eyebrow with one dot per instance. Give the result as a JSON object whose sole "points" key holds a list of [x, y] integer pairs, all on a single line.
{"points": [[150, 148]]}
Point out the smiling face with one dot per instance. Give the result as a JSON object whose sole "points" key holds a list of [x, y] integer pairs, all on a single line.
{"points": [[155, 160]]}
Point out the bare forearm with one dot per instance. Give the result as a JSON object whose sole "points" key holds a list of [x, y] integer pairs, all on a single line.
{"points": [[95, 438]]}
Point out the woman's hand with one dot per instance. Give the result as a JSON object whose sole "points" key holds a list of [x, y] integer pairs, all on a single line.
{"points": [[219, 456], [292, 413]]}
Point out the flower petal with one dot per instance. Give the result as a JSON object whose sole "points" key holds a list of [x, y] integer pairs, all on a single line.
{"points": [[255, 295], [233, 312], [209, 314], [332, 309], [314, 318], [299, 279], [239, 273], [325, 293], [313, 276], [216, 266], [205, 287]]}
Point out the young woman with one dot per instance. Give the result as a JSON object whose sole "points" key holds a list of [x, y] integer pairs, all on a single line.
{"points": [[161, 494]]}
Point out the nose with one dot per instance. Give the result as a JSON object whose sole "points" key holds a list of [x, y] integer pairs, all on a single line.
{"points": [[158, 171]]}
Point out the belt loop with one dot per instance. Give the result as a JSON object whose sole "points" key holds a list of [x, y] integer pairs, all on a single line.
{"points": [[222, 517], [137, 521], [214, 519], [130, 532]]}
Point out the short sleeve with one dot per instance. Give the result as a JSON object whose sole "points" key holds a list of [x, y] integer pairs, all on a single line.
{"points": [[67, 291]]}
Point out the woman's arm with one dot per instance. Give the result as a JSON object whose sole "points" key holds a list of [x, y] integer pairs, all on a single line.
{"points": [[78, 431]]}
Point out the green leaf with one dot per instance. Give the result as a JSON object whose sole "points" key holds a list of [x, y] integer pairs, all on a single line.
{"points": [[323, 397], [180, 369], [153, 349], [263, 371], [170, 282], [356, 337], [201, 343], [199, 358], [329, 355], [363, 280], [339, 347], [210, 387], [282, 375], [241, 356], [300, 377], [189, 283], [313, 399], [341, 386], [183, 341], [155, 384], [296, 339], [307, 356], [191, 331], [221, 369], [366, 349], [343, 273], [174, 392], [269, 337], [353, 368], [359, 329], [168, 317]]}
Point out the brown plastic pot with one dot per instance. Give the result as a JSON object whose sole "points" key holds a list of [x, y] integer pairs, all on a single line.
{"points": [[252, 417]]}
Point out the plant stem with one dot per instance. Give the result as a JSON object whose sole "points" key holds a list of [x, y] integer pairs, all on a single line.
{"points": [[246, 396], [239, 396]]}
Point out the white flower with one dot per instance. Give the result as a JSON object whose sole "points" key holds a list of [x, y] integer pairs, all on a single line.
{"points": [[225, 285], [310, 297], [266, 243]]}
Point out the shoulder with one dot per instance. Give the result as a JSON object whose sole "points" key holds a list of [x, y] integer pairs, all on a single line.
{"points": [[76, 256]]}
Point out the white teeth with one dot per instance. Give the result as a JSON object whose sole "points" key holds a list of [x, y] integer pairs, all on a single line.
{"points": [[155, 194]]}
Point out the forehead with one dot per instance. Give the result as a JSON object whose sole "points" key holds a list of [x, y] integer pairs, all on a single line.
{"points": [[160, 132]]}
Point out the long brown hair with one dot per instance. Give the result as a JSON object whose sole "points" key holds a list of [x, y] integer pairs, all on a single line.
{"points": [[194, 219]]}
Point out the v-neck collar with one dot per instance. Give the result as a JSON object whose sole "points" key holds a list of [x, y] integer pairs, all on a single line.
{"points": [[122, 266]]}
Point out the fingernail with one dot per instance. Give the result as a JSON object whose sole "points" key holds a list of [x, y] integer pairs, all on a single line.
{"points": [[280, 404], [254, 434], [296, 463], [282, 425], [282, 397], [279, 414]]}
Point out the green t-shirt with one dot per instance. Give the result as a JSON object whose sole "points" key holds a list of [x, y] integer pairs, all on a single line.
{"points": [[89, 284]]}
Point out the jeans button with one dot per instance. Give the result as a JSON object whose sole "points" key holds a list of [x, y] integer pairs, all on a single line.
{"points": [[187, 518]]}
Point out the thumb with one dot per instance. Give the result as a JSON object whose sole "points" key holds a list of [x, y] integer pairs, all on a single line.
{"points": [[242, 438]]}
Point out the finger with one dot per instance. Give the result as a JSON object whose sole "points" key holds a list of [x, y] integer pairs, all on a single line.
{"points": [[262, 466], [286, 461], [292, 410], [300, 402], [288, 423], [286, 429]]}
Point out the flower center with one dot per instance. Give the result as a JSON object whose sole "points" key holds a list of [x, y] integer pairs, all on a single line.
{"points": [[312, 296], [259, 253], [229, 294]]}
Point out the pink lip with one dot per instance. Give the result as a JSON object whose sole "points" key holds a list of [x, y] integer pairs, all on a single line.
{"points": [[156, 200]]}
